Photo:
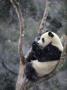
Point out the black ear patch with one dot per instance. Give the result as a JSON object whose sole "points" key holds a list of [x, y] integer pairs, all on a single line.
{"points": [[50, 34]]}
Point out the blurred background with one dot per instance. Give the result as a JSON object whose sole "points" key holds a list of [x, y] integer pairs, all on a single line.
{"points": [[32, 11]]}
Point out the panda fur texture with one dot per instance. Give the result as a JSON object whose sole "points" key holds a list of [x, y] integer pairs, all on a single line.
{"points": [[44, 56]]}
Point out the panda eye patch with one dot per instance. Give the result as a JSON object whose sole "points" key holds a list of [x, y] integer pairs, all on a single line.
{"points": [[43, 40]]}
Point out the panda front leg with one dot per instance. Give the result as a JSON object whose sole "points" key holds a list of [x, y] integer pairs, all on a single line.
{"points": [[31, 56], [30, 72]]}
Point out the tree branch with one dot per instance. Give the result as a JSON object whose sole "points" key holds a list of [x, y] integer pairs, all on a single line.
{"points": [[43, 21], [21, 24], [21, 82]]}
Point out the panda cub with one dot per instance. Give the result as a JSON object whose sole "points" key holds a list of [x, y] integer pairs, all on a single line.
{"points": [[44, 56]]}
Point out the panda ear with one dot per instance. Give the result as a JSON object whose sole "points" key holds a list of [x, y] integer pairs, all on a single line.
{"points": [[50, 34]]}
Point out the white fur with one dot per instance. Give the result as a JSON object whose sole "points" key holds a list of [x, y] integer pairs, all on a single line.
{"points": [[43, 68], [55, 40]]}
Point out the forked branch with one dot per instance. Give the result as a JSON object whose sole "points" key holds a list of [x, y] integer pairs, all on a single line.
{"points": [[21, 24]]}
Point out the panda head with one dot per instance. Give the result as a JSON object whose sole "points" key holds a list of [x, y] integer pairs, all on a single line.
{"points": [[50, 37]]}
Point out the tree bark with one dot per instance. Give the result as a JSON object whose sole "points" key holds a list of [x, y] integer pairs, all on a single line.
{"points": [[21, 80], [43, 21]]}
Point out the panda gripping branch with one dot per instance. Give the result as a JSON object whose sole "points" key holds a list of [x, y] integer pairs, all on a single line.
{"points": [[44, 56]]}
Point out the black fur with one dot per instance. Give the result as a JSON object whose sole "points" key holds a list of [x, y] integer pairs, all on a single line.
{"points": [[31, 56], [50, 34], [35, 53], [30, 72], [48, 53]]}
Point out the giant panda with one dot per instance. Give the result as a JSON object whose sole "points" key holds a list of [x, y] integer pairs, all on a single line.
{"points": [[44, 56]]}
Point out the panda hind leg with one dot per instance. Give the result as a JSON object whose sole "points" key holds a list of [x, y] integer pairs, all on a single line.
{"points": [[30, 72]]}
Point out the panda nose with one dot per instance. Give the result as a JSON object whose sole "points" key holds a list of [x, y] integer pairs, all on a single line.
{"points": [[34, 43]]}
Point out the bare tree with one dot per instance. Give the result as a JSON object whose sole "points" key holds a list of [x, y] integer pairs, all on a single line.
{"points": [[21, 81]]}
